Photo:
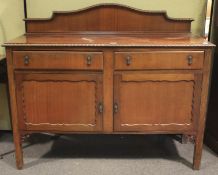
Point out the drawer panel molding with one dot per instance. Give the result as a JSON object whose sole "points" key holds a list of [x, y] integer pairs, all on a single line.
{"points": [[58, 60], [159, 60]]}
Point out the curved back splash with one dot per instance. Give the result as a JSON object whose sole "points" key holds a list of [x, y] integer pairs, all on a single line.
{"points": [[109, 18]]}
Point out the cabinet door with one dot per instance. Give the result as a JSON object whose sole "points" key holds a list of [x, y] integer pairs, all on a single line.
{"points": [[59, 102], [156, 102]]}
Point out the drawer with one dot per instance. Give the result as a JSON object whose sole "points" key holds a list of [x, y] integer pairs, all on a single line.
{"points": [[58, 60], [159, 60]]}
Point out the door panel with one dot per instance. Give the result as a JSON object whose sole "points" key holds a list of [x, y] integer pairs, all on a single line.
{"points": [[154, 102], [60, 101]]}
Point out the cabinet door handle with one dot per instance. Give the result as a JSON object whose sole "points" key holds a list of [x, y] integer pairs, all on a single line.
{"points": [[100, 108], [190, 60], [89, 60], [116, 108], [26, 60], [128, 60]]}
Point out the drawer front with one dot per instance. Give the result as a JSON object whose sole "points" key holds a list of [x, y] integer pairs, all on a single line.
{"points": [[58, 60], [159, 60]]}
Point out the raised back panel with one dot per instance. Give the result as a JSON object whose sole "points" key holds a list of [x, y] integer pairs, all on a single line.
{"points": [[108, 18]]}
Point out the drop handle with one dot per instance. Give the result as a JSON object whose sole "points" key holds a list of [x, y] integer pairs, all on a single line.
{"points": [[128, 60], [89, 60], [190, 60], [116, 108], [26, 60], [100, 108]]}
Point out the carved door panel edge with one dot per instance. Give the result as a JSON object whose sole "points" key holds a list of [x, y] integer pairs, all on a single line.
{"points": [[21, 77], [196, 78]]}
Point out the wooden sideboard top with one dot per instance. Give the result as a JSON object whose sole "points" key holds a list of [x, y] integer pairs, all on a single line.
{"points": [[146, 40]]}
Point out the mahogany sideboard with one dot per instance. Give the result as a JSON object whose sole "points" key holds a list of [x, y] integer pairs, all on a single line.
{"points": [[109, 69]]}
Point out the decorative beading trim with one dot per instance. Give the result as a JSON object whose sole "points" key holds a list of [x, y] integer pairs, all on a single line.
{"points": [[110, 45], [158, 124], [59, 124]]}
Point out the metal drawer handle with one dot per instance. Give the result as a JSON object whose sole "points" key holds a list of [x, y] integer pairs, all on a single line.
{"points": [[100, 108], [190, 60], [89, 60], [26, 60], [128, 60], [116, 108]]}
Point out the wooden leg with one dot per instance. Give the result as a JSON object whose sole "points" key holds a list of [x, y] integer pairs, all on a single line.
{"points": [[18, 150], [13, 110], [198, 152], [203, 110]]}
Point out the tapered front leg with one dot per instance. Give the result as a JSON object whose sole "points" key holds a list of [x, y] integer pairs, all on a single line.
{"points": [[18, 150], [203, 111], [198, 152], [13, 110]]}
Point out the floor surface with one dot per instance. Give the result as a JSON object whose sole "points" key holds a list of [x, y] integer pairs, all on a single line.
{"points": [[104, 155]]}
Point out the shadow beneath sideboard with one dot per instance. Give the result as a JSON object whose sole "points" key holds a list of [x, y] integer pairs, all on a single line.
{"points": [[107, 146], [41, 148]]}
